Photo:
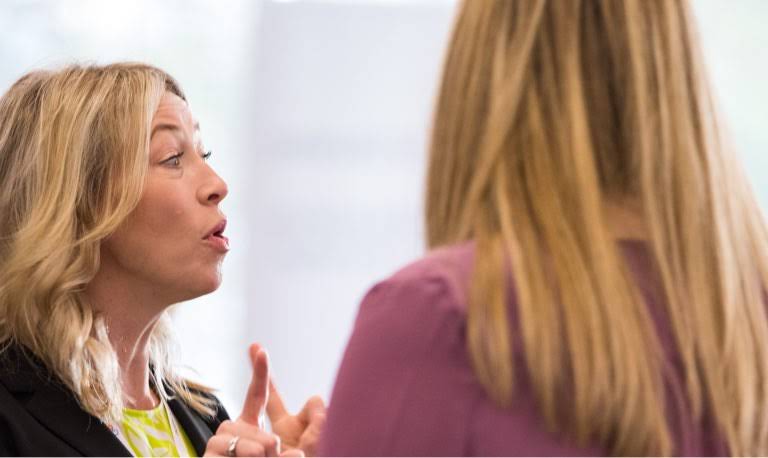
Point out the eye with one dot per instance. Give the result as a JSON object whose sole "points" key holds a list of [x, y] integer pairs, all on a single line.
{"points": [[174, 161], [207, 155]]}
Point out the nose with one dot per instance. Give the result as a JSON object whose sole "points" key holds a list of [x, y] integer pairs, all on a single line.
{"points": [[214, 190]]}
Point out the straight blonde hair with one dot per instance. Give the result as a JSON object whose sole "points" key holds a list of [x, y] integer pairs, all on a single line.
{"points": [[548, 111], [74, 152]]}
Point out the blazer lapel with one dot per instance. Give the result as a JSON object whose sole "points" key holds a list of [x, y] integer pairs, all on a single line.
{"points": [[59, 411], [55, 407], [196, 429]]}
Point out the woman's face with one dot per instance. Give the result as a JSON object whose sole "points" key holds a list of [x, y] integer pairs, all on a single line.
{"points": [[172, 244]]}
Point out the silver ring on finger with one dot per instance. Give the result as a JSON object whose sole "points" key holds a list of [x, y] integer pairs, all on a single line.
{"points": [[232, 446]]}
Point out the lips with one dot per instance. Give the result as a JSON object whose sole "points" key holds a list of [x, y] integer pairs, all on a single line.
{"points": [[217, 230], [216, 236]]}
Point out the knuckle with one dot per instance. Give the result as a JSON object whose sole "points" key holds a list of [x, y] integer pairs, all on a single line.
{"points": [[225, 426], [259, 450], [270, 442], [265, 439], [213, 442]]}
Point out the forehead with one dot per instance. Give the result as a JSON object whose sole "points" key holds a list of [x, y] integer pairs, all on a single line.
{"points": [[173, 110]]}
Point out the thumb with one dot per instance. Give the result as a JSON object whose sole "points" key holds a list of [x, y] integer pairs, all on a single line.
{"points": [[258, 391]]}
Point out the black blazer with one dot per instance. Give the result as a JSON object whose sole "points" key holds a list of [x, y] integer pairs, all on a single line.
{"points": [[40, 417]]}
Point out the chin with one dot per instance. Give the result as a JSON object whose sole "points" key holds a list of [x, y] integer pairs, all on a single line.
{"points": [[211, 285], [202, 287]]}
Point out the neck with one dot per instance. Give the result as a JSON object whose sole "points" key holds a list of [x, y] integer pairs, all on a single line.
{"points": [[131, 312]]}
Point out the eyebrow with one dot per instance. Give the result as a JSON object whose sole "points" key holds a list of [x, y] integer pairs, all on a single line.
{"points": [[170, 127]]}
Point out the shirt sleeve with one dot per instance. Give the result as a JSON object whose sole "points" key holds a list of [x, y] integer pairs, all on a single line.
{"points": [[404, 387]]}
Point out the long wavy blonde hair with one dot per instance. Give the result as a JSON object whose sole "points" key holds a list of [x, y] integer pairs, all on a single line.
{"points": [[74, 152], [548, 112]]}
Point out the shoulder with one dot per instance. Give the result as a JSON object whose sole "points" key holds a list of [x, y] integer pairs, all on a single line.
{"points": [[21, 371], [442, 274], [405, 357], [39, 415], [418, 311]]}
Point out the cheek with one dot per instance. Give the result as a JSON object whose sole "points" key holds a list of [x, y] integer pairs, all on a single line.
{"points": [[157, 226], [161, 243], [158, 210], [156, 234]]}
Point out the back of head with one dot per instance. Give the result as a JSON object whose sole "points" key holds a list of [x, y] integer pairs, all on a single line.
{"points": [[549, 112], [74, 147]]}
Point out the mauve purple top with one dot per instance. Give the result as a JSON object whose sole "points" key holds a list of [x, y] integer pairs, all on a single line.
{"points": [[406, 388]]}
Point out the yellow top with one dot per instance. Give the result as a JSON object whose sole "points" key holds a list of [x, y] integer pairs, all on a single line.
{"points": [[154, 432]]}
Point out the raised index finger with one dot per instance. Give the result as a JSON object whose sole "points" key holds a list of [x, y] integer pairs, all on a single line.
{"points": [[258, 391]]}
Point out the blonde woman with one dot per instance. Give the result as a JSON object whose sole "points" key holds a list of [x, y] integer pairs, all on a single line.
{"points": [[109, 214], [597, 266]]}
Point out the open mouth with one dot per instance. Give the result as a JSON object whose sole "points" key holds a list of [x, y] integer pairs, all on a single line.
{"points": [[217, 238]]}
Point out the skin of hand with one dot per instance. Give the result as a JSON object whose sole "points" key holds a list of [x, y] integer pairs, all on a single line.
{"points": [[300, 431], [254, 440]]}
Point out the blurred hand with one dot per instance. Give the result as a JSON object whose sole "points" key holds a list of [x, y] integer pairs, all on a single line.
{"points": [[247, 432]]}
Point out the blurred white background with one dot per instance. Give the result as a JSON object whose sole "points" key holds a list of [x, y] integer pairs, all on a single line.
{"points": [[317, 112]]}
